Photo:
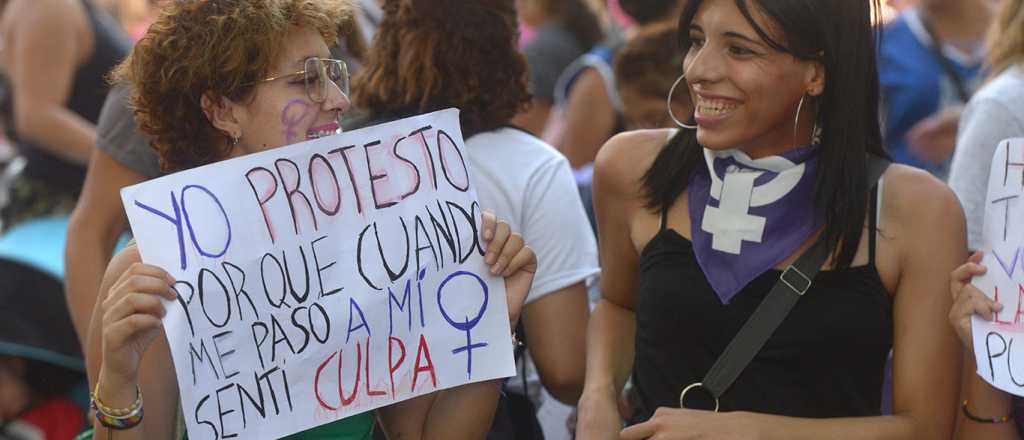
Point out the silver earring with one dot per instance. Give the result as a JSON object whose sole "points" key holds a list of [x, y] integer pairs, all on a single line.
{"points": [[234, 140], [668, 104], [815, 131]]}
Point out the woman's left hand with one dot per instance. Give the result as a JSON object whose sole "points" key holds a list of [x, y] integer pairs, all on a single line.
{"points": [[688, 424], [509, 256]]}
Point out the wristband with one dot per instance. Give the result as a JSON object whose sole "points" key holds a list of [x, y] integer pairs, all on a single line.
{"points": [[974, 418], [117, 418]]}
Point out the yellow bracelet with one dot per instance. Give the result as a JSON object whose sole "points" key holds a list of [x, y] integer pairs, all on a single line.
{"points": [[974, 418], [116, 412]]}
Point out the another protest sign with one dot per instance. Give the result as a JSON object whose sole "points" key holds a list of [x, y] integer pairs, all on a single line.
{"points": [[999, 362], [324, 279]]}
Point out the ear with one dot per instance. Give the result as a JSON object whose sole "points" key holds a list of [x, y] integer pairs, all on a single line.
{"points": [[815, 78], [224, 115]]}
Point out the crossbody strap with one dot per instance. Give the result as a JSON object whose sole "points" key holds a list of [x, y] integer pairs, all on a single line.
{"points": [[792, 284]]}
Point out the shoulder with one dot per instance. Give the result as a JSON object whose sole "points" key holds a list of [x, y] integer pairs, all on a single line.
{"points": [[917, 201], [1004, 93], [513, 142], [623, 160]]}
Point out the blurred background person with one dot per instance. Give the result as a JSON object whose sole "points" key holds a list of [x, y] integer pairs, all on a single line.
{"points": [[426, 59], [42, 391], [994, 114], [645, 70], [56, 56], [562, 30], [589, 108], [930, 62]]}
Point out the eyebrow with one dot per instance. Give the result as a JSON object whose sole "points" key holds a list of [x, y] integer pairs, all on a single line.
{"points": [[729, 34]]}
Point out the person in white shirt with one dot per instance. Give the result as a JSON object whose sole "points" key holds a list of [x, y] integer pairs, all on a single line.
{"points": [[428, 58]]}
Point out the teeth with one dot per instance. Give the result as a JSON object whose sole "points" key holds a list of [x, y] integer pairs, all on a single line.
{"points": [[714, 107], [320, 134]]}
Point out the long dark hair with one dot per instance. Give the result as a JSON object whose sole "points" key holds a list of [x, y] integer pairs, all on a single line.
{"points": [[839, 34]]}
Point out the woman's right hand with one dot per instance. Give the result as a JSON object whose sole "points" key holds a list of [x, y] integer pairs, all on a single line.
{"points": [[968, 300], [131, 320], [598, 416]]}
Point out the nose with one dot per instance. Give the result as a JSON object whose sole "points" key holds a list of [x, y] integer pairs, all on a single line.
{"points": [[702, 66], [336, 99]]}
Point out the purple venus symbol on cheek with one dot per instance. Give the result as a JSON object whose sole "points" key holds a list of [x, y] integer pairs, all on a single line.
{"points": [[294, 114]]}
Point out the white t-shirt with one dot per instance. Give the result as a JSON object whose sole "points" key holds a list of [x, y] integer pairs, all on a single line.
{"points": [[993, 115], [529, 184]]}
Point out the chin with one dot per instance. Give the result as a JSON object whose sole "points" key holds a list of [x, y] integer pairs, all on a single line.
{"points": [[713, 141]]}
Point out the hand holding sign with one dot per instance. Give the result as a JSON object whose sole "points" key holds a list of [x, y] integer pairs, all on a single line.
{"points": [[509, 256], [999, 362], [968, 301], [351, 278]]}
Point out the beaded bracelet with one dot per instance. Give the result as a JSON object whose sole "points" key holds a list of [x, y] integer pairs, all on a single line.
{"points": [[114, 418], [974, 418]]}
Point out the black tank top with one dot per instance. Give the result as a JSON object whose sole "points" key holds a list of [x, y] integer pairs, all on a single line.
{"points": [[826, 359], [89, 89]]}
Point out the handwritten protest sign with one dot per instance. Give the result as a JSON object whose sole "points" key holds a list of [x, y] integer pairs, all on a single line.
{"points": [[999, 362], [324, 279]]}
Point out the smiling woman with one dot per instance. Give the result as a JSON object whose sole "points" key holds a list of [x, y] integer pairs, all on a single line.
{"points": [[696, 225], [213, 80]]}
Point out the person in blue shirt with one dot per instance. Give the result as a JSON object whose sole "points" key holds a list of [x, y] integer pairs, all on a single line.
{"points": [[929, 63]]}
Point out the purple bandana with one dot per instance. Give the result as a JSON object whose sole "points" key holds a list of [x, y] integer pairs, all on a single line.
{"points": [[750, 215]]}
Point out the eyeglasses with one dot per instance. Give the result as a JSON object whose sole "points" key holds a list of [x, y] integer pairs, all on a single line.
{"points": [[317, 75]]}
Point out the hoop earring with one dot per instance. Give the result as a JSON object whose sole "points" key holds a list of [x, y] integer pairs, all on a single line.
{"points": [[668, 104], [796, 120], [815, 131]]}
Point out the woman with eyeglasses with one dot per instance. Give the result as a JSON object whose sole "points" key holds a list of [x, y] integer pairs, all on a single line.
{"points": [[699, 224], [213, 80]]}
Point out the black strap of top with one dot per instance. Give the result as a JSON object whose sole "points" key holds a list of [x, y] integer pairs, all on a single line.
{"points": [[873, 223], [664, 218], [792, 284]]}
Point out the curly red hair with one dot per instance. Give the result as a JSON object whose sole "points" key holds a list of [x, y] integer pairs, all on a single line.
{"points": [[216, 48], [435, 54]]}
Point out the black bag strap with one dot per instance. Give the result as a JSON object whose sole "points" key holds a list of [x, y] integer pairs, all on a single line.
{"points": [[947, 65], [792, 284]]}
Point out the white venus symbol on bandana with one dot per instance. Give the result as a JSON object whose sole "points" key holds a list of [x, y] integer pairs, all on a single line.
{"points": [[730, 224]]}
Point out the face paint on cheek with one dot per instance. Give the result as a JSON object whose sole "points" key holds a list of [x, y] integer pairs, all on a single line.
{"points": [[294, 113]]}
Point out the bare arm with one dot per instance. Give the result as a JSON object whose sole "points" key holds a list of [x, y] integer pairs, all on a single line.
{"points": [[612, 328], [95, 225], [47, 49], [556, 331], [589, 119], [151, 374], [982, 399]]}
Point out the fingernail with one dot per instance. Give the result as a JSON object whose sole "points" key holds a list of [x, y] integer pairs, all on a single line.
{"points": [[488, 234], [494, 270]]}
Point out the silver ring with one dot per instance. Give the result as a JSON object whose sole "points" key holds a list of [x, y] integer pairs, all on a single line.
{"points": [[668, 104], [682, 395]]}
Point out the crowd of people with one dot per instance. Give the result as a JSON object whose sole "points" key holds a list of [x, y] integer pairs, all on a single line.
{"points": [[714, 218]]}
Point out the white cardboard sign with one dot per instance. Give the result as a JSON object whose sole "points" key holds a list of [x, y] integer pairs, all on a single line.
{"points": [[324, 279], [999, 362]]}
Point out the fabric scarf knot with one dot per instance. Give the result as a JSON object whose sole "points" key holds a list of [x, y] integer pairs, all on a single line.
{"points": [[748, 215]]}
